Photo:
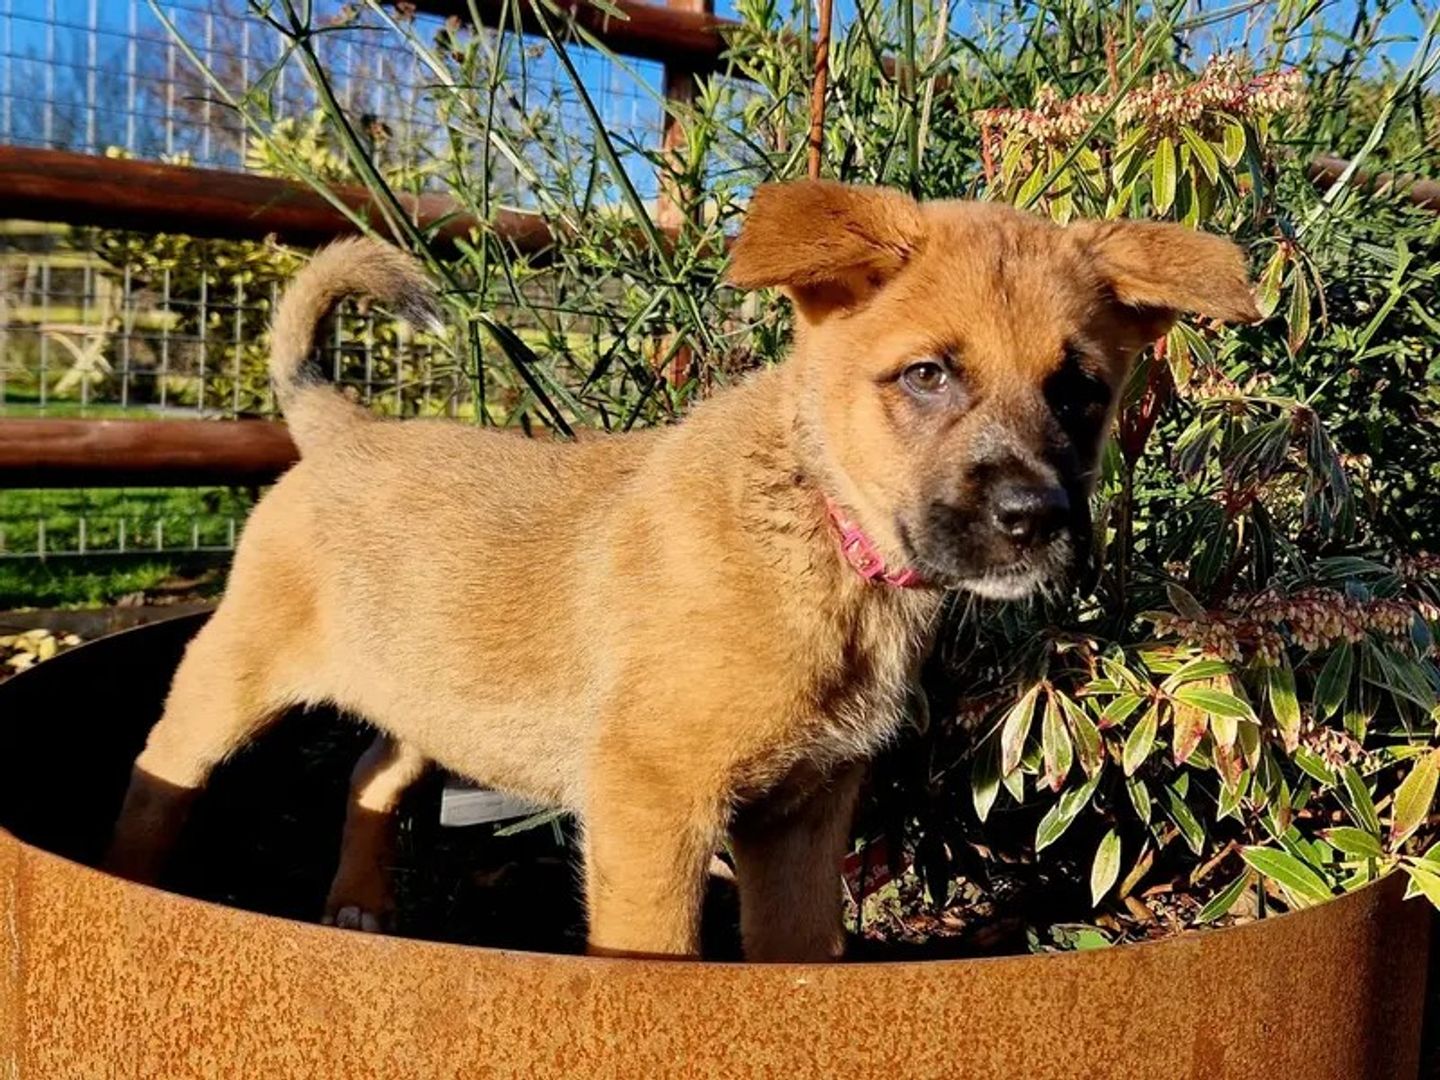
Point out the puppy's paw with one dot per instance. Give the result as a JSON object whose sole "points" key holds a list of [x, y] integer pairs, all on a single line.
{"points": [[360, 900], [354, 917]]}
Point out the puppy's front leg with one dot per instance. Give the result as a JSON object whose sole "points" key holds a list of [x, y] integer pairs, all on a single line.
{"points": [[788, 866], [647, 847]]}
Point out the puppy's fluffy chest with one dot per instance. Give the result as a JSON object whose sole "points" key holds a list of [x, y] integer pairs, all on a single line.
{"points": [[866, 668]]}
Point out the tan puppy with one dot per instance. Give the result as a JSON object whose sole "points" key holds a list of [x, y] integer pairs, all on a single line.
{"points": [[693, 631]]}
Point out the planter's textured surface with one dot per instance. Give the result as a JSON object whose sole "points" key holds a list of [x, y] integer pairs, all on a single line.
{"points": [[101, 978]]}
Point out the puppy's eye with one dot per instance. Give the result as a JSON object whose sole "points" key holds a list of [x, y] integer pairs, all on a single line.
{"points": [[925, 379]]}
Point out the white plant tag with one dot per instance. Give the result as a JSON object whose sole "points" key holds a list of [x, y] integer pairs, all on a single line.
{"points": [[462, 803]]}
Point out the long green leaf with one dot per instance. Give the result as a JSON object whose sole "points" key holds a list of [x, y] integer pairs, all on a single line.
{"points": [[1184, 818], [985, 778], [1298, 880], [1267, 289], [1228, 804], [1014, 783], [1195, 670], [1089, 747], [1204, 153], [1284, 703], [1119, 709], [1062, 815], [1187, 726], [1163, 176], [1232, 146], [1358, 802], [1215, 702], [1313, 765], [1224, 900], [1141, 739], [1106, 867], [524, 361], [1356, 843], [1414, 797], [1016, 729], [1334, 680], [1297, 316], [1140, 798], [1425, 881], [1055, 741]]}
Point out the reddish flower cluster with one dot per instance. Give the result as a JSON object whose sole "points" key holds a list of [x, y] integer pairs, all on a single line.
{"points": [[1320, 618], [1211, 382], [1336, 747], [1224, 636], [1223, 90], [1314, 619], [1418, 567], [1053, 120]]}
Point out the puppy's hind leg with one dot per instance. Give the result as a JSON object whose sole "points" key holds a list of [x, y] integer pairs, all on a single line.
{"points": [[360, 894], [221, 698]]}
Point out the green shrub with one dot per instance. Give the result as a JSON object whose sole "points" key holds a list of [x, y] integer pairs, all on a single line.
{"points": [[1245, 708]]}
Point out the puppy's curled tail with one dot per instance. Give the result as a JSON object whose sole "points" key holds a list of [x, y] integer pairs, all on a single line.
{"points": [[314, 409]]}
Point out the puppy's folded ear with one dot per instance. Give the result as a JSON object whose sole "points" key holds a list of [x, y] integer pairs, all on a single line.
{"points": [[829, 246], [1163, 270]]}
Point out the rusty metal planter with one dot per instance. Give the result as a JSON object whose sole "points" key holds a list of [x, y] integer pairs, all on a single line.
{"points": [[102, 978]]}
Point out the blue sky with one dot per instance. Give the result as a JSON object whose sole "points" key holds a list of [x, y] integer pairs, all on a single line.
{"points": [[68, 30]]}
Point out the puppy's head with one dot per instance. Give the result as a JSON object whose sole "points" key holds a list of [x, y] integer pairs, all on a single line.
{"points": [[957, 364]]}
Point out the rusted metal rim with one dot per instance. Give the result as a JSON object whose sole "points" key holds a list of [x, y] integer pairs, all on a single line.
{"points": [[101, 977]]}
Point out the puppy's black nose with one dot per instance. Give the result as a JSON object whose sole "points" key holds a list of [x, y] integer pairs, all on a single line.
{"points": [[1029, 514]]}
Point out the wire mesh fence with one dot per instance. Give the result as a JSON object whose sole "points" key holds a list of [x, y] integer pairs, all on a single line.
{"points": [[110, 77], [99, 324], [180, 333]]}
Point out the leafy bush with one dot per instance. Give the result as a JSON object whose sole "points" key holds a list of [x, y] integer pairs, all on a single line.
{"points": [[1242, 716]]}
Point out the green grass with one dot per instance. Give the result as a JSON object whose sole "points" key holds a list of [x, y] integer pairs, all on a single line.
{"points": [[71, 580], [85, 582], [178, 511]]}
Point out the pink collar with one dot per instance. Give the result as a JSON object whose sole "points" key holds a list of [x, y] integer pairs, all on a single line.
{"points": [[861, 553]]}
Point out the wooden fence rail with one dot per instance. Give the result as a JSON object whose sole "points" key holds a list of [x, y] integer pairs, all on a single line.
{"points": [[142, 453], [1325, 170], [684, 36], [148, 196]]}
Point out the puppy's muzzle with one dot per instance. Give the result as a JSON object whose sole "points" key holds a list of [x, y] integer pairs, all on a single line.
{"points": [[1015, 535]]}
